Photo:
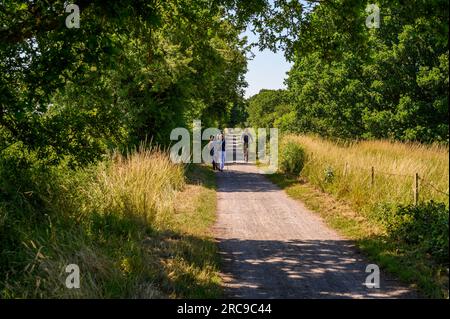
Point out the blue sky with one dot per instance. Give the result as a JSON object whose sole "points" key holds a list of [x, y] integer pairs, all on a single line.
{"points": [[267, 70]]}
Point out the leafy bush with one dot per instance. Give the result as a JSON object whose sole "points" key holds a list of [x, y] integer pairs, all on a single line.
{"points": [[286, 122], [424, 225], [292, 158]]}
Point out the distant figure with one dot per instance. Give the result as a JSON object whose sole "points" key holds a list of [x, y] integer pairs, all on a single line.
{"points": [[216, 151], [211, 151], [222, 150], [246, 139]]}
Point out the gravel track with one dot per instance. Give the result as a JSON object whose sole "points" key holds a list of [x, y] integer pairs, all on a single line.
{"points": [[273, 247]]}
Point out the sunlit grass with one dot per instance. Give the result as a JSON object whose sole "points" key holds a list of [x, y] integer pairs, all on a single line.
{"points": [[395, 165], [137, 225]]}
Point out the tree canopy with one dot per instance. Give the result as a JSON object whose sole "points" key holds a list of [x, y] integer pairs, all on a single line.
{"points": [[349, 81], [136, 69]]}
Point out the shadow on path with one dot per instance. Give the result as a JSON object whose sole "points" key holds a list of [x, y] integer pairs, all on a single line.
{"points": [[273, 247], [299, 269]]}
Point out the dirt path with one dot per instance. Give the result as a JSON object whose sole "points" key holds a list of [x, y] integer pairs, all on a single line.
{"points": [[273, 247]]}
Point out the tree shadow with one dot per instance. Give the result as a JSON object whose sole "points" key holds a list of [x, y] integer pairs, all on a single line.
{"points": [[201, 174], [300, 269], [187, 265], [294, 268], [231, 181]]}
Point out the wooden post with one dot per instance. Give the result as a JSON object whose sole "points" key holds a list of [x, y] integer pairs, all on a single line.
{"points": [[346, 169], [416, 189], [373, 176]]}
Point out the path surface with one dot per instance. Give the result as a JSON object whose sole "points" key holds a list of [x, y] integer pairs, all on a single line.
{"points": [[273, 247]]}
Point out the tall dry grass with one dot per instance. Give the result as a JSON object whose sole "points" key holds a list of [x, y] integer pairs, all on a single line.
{"points": [[345, 170], [142, 185], [116, 221]]}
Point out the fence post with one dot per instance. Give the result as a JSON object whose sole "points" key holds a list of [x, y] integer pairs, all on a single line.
{"points": [[346, 169], [373, 176], [416, 189]]}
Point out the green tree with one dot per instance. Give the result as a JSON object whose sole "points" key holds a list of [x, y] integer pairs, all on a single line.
{"points": [[133, 71], [266, 107], [353, 82]]}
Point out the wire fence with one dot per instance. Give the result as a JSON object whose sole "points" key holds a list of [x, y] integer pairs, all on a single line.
{"points": [[418, 185], [430, 184], [372, 168]]}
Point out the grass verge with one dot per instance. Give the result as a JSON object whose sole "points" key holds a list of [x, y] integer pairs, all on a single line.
{"points": [[137, 226]]}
